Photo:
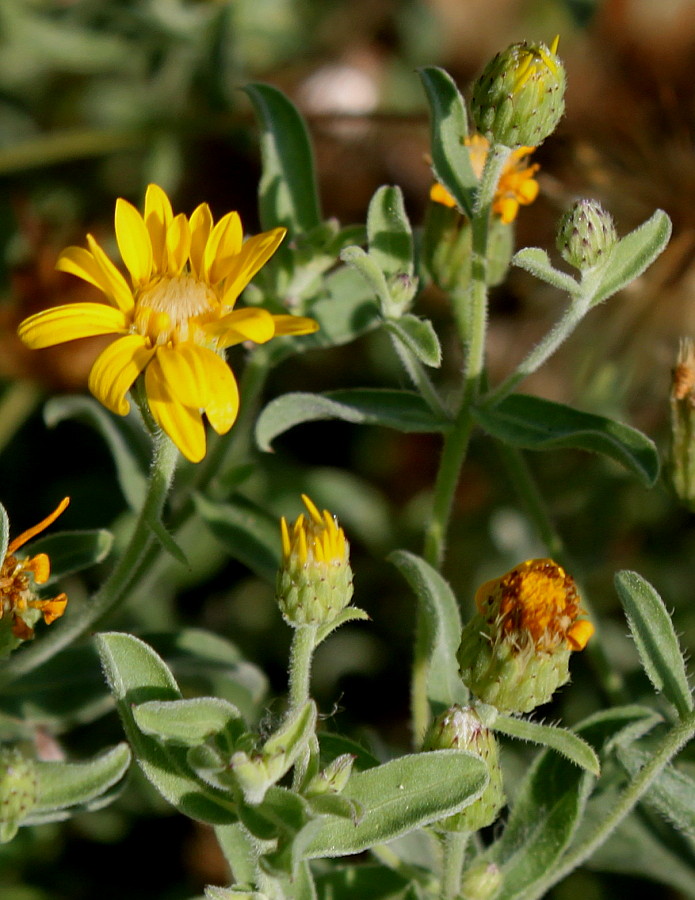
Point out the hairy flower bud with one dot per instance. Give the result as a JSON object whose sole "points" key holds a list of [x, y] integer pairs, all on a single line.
{"points": [[520, 96], [482, 881], [460, 728], [315, 579], [17, 791], [515, 651], [586, 234]]}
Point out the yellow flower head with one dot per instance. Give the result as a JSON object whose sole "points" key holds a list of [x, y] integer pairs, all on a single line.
{"points": [[535, 603], [315, 579], [517, 185], [17, 595], [175, 319]]}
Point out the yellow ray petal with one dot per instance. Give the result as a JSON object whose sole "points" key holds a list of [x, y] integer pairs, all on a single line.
{"points": [[183, 424], [80, 262], [133, 241], [69, 322], [222, 406], [249, 324], [185, 374], [222, 247], [201, 226], [295, 325], [115, 370], [178, 244], [158, 216], [254, 254], [118, 291]]}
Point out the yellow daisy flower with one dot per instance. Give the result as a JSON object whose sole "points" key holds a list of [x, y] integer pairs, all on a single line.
{"points": [[517, 185], [174, 320]]}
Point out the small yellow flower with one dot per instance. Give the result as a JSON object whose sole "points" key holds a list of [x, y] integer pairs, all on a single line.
{"points": [[174, 320], [315, 579], [17, 595], [517, 185]]}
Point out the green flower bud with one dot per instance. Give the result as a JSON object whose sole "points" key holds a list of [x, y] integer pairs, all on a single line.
{"points": [[333, 778], [681, 468], [460, 728], [586, 234], [515, 651], [481, 882], [17, 791], [520, 97], [315, 580]]}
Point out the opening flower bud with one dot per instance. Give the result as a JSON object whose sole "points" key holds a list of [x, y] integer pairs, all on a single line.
{"points": [[515, 651], [586, 234]]}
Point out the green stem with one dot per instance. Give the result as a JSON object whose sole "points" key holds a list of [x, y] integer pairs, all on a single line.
{"points": [[454, 852], [115, 588], [418, 376], [669, 746], [301, 654]]}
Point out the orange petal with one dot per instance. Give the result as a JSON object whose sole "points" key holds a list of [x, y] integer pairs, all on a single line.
{"points": [[37, 529]]}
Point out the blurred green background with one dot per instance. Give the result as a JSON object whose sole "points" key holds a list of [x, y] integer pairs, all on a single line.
{"points": [[100, 97]]}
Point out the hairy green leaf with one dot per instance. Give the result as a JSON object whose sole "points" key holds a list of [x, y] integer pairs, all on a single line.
{"points": [[61, 785], [560, 739], [537, 262], [389, 233], [72, 551], [419, 336], [188, 722]]}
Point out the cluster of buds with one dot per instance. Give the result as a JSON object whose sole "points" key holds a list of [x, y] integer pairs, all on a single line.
{"points": [[515, 651], [586, 234], [314, 582], [460, 728], [520, 96], [20, 605]]}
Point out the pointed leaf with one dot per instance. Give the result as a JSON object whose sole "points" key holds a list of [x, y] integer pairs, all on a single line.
{"points": [[442, 632], [419, 336], [126, 444], [451, 161], [397, 797], [288, 194], [536, 424], [349, 614], [61, 785], [633, 254], [655, 639], [560, 739], [362, 262], [389, 233], [537, 262], [403, 410]]}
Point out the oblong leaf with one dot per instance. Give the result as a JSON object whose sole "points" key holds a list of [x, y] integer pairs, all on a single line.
{"points": [[397, 797], [633, 254], [565, 742], [442, 631], [389, 233], [188, 722], [126, 444], [288, 194], [419, 336], [60, 785], [533, 423], [72, 551], [451, 161], [672, 795], [537, 262], [403, 410], [655, 639]]}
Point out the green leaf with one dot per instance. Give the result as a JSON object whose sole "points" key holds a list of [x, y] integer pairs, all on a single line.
{"points": [[673, 793], [403, 410], [249, 533], [137, 675], [239, 851], [188, 722], [419, 336], [537, 262], [389, 233], [633, 254], [365, 880], [166, 540], [349, 614], [565, 742], [348, 311], [362, 262], [127, 444], [288, 194], [655, 639], [451, 161], [396, 797], [536, 424], [442, 631], [72, 551], [609, 728], [62, 785]]}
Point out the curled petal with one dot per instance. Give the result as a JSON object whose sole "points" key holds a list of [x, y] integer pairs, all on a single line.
{"points": [[69, 322], [249, 324], [295, 325], [27, 535], [255, 253], [80, 262], [133, 241], [222, 248], [183, 424], [115, 370], [118, 290]]}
